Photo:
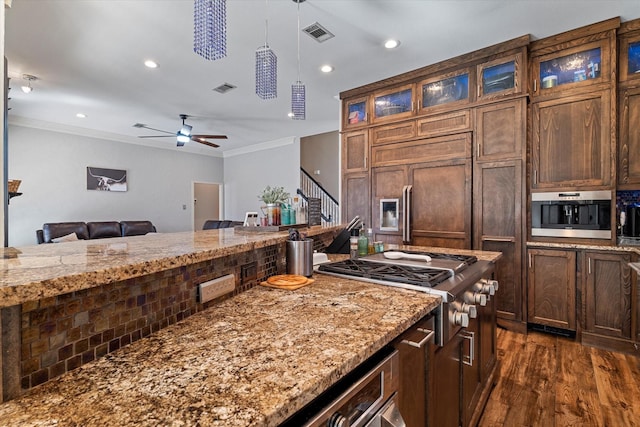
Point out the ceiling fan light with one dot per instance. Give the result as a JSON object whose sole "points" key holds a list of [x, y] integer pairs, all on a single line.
{"points": [[185, 130], [182, 139]]}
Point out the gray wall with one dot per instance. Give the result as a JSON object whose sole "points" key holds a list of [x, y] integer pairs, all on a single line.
{"points": [[52, 167], [247, 172], [322, 152]]}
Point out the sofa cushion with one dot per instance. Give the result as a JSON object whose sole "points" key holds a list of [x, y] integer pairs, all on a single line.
{"points": [[52, 230], [99, 230], [136, 228], [71, 237]]}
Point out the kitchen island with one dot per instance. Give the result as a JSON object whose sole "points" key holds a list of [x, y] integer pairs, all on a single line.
{"points": [[251, 360], [113, 332]]}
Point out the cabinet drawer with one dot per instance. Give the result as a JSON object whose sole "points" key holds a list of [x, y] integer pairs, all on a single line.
{"points": [[422, 150], [393, 133], [445, 123]]}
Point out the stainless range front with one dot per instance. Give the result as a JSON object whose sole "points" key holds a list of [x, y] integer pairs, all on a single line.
{"points": [[461, 281]]}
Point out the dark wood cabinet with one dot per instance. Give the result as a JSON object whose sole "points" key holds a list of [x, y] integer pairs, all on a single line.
{"points": [[607, 295], [441, 204], [629, 143], [552, 288], [499, 226], [355, 151], [355, 113], [393, 104], [501, 130], [501, 77], [356, 197], [571, 142]]}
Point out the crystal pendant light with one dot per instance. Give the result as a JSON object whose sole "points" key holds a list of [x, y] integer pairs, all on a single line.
{"points": [[266, 66], [210, 28], [298, 104]]}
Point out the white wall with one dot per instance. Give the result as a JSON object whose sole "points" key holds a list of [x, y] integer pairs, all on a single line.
{"points": [[247, 172], [52, 167], [322, 152]]}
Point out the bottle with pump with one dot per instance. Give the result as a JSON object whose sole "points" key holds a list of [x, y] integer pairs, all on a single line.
{"points": [[363, 243]]}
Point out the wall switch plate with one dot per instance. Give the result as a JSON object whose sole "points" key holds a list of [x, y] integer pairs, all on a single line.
{"points": [[216, 287]]}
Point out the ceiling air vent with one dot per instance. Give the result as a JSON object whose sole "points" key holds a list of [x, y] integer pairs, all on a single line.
{"points": [[318, 32], [224, 88]]}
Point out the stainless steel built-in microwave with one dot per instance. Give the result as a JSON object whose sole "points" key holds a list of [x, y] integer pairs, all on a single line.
{"points": [[577, 214]]}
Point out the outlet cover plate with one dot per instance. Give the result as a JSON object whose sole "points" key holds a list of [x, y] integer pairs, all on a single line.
{"points": [[216, 287]]}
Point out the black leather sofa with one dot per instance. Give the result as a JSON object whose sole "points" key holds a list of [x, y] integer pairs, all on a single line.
{"points": [[93, 230]]}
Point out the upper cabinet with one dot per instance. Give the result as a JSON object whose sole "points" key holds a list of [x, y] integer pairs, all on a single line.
{"points": [[355, 112], [445, 91], [573, 115], [574, 62], [393, 104], [500, 77]]}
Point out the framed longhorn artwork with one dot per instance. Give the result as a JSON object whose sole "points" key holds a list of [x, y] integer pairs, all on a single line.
{"points": [[102, 179]]}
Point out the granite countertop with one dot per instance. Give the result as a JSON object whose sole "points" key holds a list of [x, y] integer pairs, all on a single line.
{"points": [[35, 272], [620, 248], [252, 360]]}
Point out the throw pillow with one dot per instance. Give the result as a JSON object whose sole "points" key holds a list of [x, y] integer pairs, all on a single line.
{"points": [[68, 238]]}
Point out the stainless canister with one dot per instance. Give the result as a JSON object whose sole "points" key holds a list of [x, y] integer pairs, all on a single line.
{"points": [[300, 257]]}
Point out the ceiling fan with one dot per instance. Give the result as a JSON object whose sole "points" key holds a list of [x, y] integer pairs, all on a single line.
{"points": [[183, 134]]}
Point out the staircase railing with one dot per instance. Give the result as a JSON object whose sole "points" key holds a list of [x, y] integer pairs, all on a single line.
{"points": [[309, 187]]}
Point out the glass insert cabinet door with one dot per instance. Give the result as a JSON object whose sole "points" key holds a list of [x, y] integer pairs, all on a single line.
{"points": [[355, 112], [498, 78], [445, 91], [574, 68], [397, 103]]}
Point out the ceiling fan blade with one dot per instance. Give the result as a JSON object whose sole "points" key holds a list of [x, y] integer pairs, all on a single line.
{"points": [[210, 136], [156, 136], [150, 128], [202, 141]]}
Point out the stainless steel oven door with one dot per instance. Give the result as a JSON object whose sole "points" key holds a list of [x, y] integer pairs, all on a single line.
{"points": [[367, 399]]}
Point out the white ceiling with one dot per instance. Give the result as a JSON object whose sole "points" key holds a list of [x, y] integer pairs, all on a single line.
{"points": [[88, 56]]}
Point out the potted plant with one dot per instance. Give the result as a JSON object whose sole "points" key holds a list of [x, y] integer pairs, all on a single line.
{"points": [[273, 197]]}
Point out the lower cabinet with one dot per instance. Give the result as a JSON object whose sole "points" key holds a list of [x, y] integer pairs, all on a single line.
{"points": [[552, 288], [607, 299], [590, 292]]}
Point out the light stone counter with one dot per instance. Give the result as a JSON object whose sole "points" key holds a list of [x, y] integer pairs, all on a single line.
{"points": [[604, 248], [252, 360], [47, 270]]}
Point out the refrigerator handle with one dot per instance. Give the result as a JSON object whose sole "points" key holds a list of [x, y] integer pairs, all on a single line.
{"points": [[404, 213], [407, 215]]}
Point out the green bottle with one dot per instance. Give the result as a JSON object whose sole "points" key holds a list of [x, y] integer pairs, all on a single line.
{"points": [[363, 243]]}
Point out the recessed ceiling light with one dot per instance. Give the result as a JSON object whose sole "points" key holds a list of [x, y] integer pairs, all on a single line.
{"points": [[150, 64], [81, 115], [326, 68], [391, 44]]}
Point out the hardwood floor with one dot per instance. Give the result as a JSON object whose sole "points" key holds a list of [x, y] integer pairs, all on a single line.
{"points": [[546, 380]]}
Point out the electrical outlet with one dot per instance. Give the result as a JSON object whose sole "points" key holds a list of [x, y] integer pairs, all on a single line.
{"points": [[216, 287]]}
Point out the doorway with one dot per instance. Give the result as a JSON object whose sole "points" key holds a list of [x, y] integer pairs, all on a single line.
{"points": [[207, 203]]}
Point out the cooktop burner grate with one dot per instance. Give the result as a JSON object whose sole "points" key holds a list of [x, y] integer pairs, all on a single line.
{"points": [[420, 276]]}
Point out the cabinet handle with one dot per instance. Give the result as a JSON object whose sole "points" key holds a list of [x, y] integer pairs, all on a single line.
{"points": [[535, 176], [535, 85], [365, 161], [478, 150], [478, 91], [589, 265], [529, 261], [499, 239], [468, 360], [423, 341]]}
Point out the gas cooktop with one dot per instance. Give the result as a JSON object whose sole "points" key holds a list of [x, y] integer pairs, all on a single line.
{"points": [[398, 273]]}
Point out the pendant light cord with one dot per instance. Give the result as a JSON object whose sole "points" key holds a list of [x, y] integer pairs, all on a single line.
{"points": [[298, 42], [266, 23]]}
